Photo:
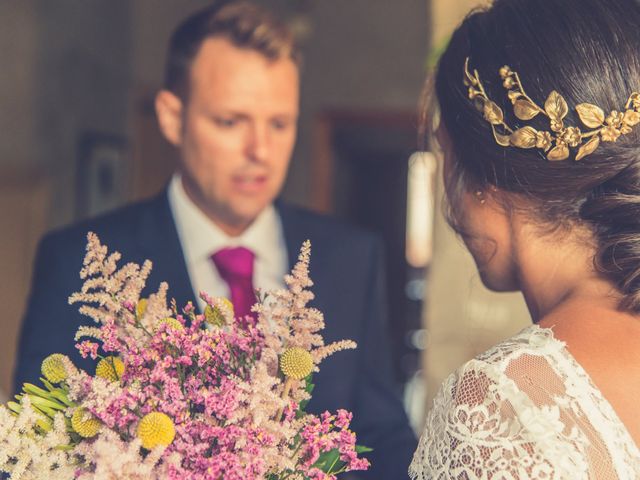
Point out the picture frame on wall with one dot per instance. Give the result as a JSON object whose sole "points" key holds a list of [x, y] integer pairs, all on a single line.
{"points": [[102, 178]]}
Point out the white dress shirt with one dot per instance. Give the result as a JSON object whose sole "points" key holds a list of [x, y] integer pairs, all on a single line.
{"points": [[200, 238]]}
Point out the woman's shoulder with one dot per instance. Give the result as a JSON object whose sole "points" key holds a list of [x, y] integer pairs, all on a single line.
{"points": [[528, 405], [529, 369], [495, 407], [504, 375], [535, 344]]}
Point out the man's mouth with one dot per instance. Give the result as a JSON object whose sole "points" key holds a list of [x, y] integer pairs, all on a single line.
{"points": [[249, 184]]}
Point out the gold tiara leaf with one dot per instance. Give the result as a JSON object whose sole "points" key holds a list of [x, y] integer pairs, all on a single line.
{"points": [[525, 110], [588, 148], [502, 140], [558, 142], [525, 137], [591, 115], [493, 113], [559, 152], [556, 108]]}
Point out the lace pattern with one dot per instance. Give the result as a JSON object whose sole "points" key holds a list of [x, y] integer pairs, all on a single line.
{"points": [[524, 409]]}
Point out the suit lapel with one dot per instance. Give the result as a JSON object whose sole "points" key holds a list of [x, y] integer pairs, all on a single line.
{"points": [[158, 240], [294, 234]]}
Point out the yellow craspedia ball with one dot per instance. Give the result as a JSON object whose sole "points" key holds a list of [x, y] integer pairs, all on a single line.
{"points": [[296, 363], [214, 315], [110, 368], [53, 368], [171, 323], [85, 424], [141, 307], [155, 429]]}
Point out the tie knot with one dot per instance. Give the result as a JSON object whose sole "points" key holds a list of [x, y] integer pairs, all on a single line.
{"points": [[234, 262]]}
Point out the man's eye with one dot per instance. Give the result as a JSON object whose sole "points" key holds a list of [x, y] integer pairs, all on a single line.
{"points": [[225, 122], [280, 124]]}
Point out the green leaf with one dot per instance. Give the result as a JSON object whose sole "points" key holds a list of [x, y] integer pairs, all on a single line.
{"points": [[64, 448], [46, 411], [309, 386], [44, 424], [57, 393], [327, 459], [31, 389], [41, 402], [14, 407], [47, 384], [363, 449], [62, 396]]}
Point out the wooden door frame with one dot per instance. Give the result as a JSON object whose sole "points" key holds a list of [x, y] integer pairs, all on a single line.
{"points": [[323, 160]]}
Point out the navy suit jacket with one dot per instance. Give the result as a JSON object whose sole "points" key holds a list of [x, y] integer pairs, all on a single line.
{"points": [[347, 270]]}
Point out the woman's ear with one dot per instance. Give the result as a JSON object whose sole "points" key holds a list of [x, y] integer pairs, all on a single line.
{"points": [[494, 195], [169, 113]]}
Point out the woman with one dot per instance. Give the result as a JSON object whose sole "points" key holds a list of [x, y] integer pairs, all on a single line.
{"points": [[540, 129]]}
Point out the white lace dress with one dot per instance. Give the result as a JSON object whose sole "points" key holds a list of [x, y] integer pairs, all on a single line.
{"points": [[524, 410]]}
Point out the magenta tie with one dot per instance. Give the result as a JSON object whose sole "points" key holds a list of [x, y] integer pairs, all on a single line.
{"points": [[235, 266]]}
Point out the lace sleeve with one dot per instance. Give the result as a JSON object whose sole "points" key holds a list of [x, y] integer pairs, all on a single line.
{"points": [[482, 426]]}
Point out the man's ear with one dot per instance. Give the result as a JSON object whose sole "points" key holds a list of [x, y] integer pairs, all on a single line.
{"points": [[169, 113]]}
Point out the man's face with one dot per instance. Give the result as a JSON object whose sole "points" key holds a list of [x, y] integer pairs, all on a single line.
{"points": [[237, 131]]}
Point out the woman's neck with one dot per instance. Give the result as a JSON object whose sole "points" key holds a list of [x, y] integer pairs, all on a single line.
{"points": [[557, 269]]}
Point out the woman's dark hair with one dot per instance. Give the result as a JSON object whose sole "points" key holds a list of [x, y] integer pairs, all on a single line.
{"points": [[588, 51]]}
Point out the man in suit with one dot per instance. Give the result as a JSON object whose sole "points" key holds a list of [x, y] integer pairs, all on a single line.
{"points": [[230, 107]]}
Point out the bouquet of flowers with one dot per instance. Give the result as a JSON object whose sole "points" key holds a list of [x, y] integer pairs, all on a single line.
{"points": [[178, 394]]}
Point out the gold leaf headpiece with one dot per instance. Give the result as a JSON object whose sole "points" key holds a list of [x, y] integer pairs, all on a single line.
{"points": [[557, 142]]}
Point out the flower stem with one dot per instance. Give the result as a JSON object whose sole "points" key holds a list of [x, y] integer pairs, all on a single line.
{"points": [[285, 394]]}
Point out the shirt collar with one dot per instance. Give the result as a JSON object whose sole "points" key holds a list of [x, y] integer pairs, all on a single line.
{"points": [[200, 237]]}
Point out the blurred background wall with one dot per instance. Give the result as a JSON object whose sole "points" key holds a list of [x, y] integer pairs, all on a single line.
{"points": [[78, 136]]}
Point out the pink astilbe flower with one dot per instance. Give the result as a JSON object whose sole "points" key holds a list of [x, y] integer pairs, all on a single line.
{"points": [[286, 321]]}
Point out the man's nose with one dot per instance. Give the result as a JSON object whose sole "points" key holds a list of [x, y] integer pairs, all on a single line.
{"points": [[258, 143]]}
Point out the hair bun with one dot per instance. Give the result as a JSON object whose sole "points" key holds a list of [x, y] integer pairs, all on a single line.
{"points": [[613, 211]]}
